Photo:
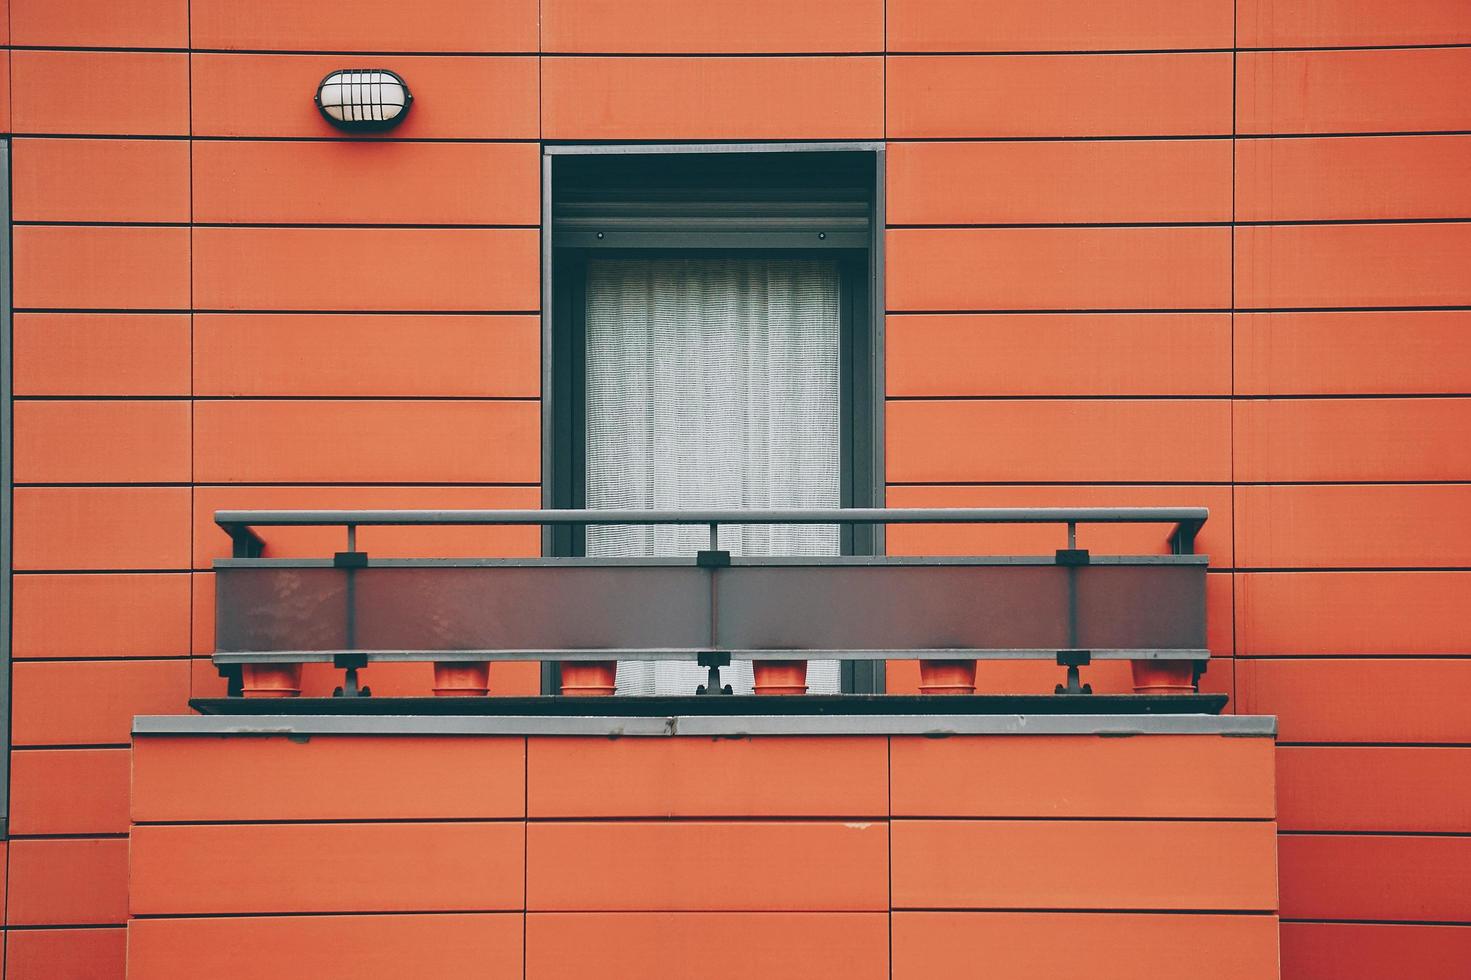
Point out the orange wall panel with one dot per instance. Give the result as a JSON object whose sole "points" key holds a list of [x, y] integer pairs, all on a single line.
{"points": [[454, 97], [1342, 352], [101, 267], [1314, 23], [1025, 946], [98, 528], [742, 867], [92, 702], [1370, 951], [366, 269], [1361, 700], [1077, 864], [1381, 878], [125, 93], [351, 867], [1057, 441], [77, 881], [366, 355], [1105, 777], [810, 98], [328, 947], [725, 945], [101, 442], [66, 954], [930, 355], [1332, 613], [1035, 182], [367, 442], [1059, 95], [1375, 91], [100, 616], [364, 182], [69, 791], [366, 25], [1058, 25], [328, 778], [100, 180], [931, 269], [667, 777], [1374, 788], [100, 23], [712, 27], [1313, 266], [101, 353]]}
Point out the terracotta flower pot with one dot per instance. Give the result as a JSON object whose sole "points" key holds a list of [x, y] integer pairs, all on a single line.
{"points": [[780, 676], [589, 678], [270, 680], [1163, 676], [461, 678], [947, 677]]}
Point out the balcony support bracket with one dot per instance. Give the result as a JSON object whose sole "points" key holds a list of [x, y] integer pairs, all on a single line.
{"points": [[349, 663], [714, 661], [1072, 660]]}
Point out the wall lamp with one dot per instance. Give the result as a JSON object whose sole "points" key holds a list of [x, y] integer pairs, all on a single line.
{"points": [[364, 99]]}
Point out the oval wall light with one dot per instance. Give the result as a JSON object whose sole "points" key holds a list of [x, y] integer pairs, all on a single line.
{"points": [[364, 99]]}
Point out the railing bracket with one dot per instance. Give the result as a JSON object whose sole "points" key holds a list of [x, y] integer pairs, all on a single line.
{"points": [[714, 661], [712, 559], [1072, 556], [350, 559], [1072, 660], [349, 664]]}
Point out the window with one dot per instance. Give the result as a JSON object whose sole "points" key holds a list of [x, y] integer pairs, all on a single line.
{"points": [[710, 342]]}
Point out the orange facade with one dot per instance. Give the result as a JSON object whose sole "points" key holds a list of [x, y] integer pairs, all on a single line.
{"points": [[1202, 252]]}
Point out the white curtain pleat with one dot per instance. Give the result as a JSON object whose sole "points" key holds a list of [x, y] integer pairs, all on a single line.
{"points": [[712, 383]]}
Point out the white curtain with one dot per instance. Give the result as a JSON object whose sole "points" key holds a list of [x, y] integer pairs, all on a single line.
{"points": [[712, 383]]}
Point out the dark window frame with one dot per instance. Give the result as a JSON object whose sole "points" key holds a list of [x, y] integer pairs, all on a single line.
{"points": [[7, 486]]}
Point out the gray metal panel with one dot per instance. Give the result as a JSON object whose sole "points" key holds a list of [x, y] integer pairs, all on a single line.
{"points": [[7, 475], [278, 608]]}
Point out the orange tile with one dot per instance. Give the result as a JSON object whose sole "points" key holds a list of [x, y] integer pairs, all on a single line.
{"points": [[328, 778], [1353, 179], [1093, 441], [1351, 526], [811, 98], [935, 355], [71, 881], [365, 183], [1059, 95], [1374, 789], [1229, 778], [366, 25], [1107, 268], [328, 947], [349, 867], [382, 542], [1384, 352], [1382, 878], [100, 24], [366, 442], [101, 528], [69, 791], [101, 267], [125, 93], [1305, 440], [347, 355], [5, 114], [271, 95], [743, 867], [366, 269], [92, 702], [1361, 700], [101, 442], [202, 626], [1078, 864], [66, 954], [761, 777], [725, 945], [1058, 25], [712, 27], [1332, 613], [1318, 266], [1369, 951], [1025, 945], [100, 180], [1374, 91], [101, 354], [204, 679], [1319, 23], [1058, 181], [100, 616]]}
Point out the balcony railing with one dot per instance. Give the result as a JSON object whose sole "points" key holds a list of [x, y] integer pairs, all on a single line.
{"points": [[352, 608]]}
